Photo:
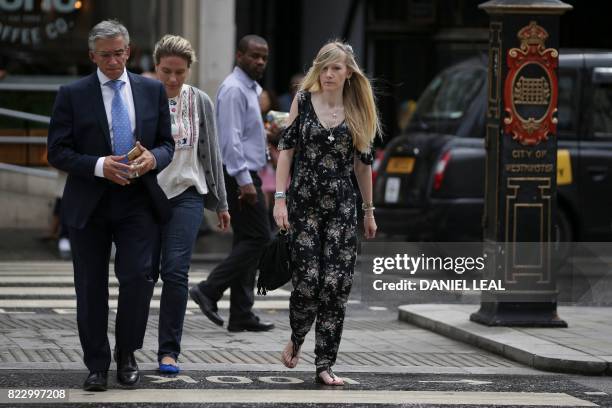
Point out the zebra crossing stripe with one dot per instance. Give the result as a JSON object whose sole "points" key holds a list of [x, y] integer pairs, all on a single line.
{"points": [[2, 311], [336, 396], [60, 268], [50, 285], [49, 291], [71, 304]]}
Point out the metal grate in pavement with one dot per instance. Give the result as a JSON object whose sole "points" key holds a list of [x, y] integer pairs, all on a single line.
{"points": [[233, 356]]}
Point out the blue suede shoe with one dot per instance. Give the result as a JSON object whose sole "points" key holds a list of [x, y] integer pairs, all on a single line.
{"points": [[168, 369]]}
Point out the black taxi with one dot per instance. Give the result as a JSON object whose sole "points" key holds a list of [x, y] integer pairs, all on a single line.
{"points": [[430, 183]]}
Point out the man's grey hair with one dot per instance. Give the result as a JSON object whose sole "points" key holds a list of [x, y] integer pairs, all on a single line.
{"points": [[107, 29]]}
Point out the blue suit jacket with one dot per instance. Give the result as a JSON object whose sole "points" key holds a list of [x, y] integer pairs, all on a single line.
{"points": [[79, 135]]}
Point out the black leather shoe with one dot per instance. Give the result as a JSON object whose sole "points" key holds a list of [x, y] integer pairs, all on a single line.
{"points": [[96, 381], [127, 369], [207, 306], [252, 324]]}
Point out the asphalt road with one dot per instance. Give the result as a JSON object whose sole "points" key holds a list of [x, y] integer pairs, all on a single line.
{"points": [[275, 389]]}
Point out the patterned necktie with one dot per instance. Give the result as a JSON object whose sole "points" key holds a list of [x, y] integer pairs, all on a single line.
{"points": [[122, 129]]}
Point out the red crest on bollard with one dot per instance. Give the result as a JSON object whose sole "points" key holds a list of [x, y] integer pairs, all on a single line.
{"points": [[530, 89]]}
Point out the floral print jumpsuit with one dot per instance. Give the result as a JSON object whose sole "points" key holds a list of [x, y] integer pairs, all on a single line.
{"points": [[323, 228]]}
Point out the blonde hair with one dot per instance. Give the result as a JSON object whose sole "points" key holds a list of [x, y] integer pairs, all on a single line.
{"points": [[360, 110], [174, 46]]}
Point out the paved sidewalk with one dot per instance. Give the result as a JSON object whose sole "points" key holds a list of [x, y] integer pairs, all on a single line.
{"points": [[373, 341], [38, 332], [584, 347]]}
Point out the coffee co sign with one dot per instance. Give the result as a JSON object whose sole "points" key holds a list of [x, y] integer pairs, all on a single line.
{"points": [[32, 22]]}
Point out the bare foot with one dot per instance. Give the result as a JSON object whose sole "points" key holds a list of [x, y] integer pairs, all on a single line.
{"points": [[327, 377], [290, 356]]}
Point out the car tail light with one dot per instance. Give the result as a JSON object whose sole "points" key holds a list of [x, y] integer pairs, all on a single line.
{"points": [[440, 169]]}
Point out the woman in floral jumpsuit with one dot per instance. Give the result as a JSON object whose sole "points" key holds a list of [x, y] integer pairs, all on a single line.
{"points": [[333, 123]]}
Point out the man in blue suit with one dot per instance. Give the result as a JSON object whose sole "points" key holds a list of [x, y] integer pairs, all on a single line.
{"points": [[96, 121]]}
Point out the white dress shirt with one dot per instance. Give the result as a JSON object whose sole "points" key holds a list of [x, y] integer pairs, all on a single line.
{"points": [[108, 95], [242, 136]]}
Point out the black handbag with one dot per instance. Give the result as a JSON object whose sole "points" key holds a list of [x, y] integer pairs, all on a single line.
{"points": [[274, 266]]}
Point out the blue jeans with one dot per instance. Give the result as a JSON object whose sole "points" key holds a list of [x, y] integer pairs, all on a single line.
{"points": [[178, 238]]}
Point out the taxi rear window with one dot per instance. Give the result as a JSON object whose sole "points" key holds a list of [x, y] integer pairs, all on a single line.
{"points": [[449, 95]]}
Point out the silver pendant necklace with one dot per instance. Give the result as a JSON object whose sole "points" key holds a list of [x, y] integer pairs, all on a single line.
{"points": [[331, 137]]}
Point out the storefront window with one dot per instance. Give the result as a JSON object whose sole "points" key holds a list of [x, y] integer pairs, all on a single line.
{"points": [[43, 44], [49, 37]]}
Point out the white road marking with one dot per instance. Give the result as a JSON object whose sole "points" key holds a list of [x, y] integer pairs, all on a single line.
{"points": [[47, 278], [229, 379], [71, 304], [334, 396], [160, 380], [112, 291], [2, 311], [280, 380], [464, 381], [53, 279], [71, 311], [67, 280]]}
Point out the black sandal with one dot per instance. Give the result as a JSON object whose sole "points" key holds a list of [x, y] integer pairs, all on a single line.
{"points": [[333, 376]]}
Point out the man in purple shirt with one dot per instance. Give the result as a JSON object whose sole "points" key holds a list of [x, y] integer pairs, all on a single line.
{"points": [[242, 139]]}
